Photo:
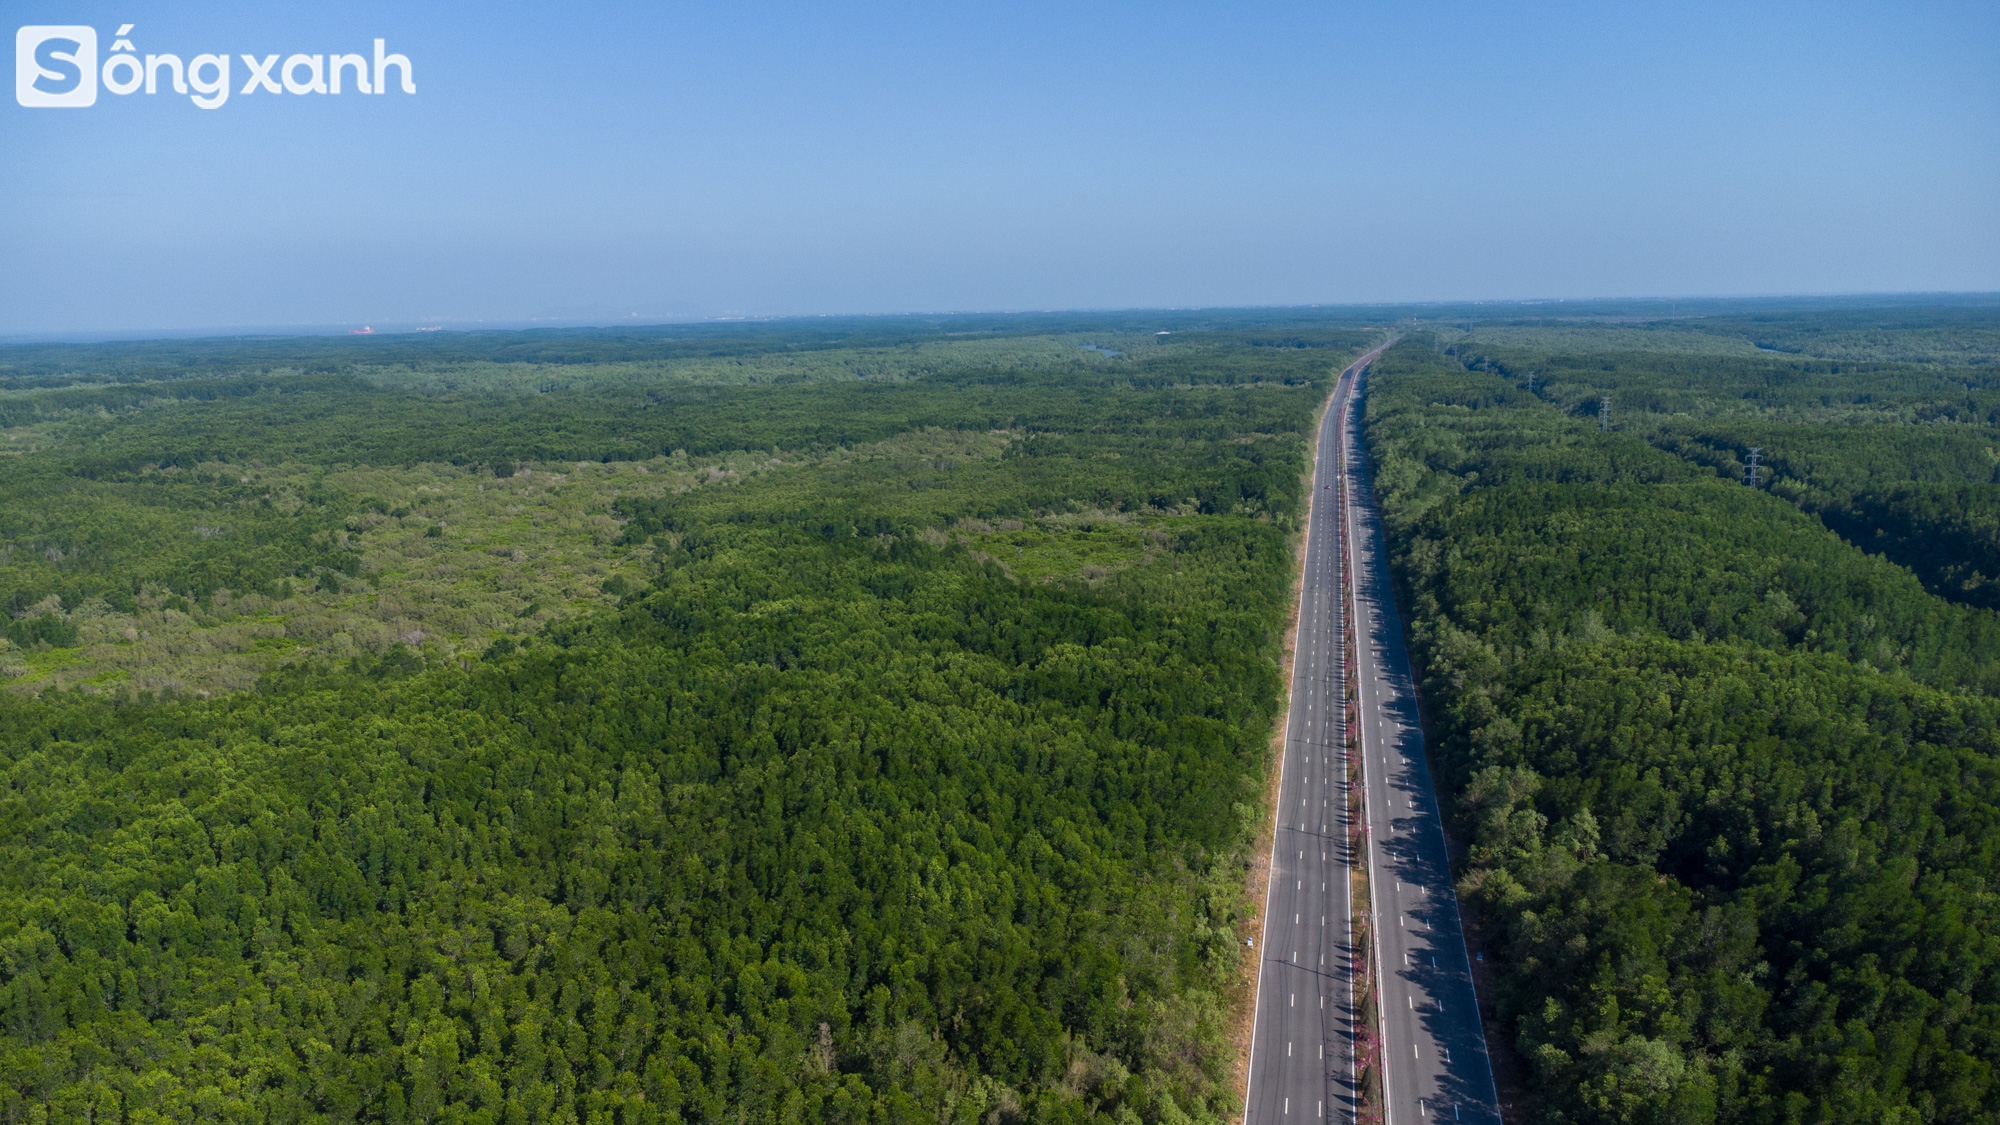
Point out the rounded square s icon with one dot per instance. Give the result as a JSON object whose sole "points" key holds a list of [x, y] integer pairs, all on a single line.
{"points": [[55, 66]]}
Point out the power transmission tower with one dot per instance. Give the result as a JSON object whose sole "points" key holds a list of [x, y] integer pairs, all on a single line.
{"points": [[1531, 382], [1604, 413], [1750, 470]]}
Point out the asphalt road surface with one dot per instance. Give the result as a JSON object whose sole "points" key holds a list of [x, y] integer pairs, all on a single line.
{"points": [[1302, 1065], [1301, 1052], [1433, 1046]]}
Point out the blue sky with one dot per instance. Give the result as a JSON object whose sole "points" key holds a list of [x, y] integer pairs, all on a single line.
{"points": [[599, 162]]}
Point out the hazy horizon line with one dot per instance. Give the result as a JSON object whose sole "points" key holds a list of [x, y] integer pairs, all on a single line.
{"points": [[401, 327]]}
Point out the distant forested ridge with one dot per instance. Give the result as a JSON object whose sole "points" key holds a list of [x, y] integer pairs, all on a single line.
{"points": [[877, 740], [1726, 759]]}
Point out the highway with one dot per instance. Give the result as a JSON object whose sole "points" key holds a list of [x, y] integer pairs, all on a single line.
{"points": [[1304, 1038]]}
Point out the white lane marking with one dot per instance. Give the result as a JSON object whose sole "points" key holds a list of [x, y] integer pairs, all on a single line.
{"points": [[1288, 1048]]}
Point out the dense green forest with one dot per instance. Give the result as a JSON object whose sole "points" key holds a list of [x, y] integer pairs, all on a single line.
{"points": [[1886, 425], [1724, 758], [866, 720], [750, 729]]}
